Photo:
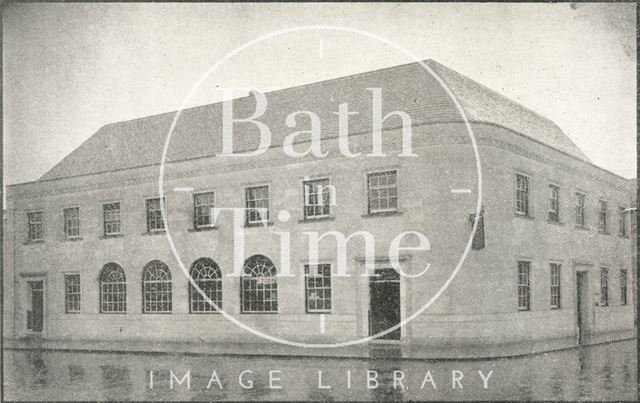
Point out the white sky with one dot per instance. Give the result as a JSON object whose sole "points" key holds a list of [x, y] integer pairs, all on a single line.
{"points": [[71, 68]]}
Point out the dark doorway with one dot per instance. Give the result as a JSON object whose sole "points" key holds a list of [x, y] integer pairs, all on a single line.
{"points": [[35, 317], [384, 303], [582, 305]]}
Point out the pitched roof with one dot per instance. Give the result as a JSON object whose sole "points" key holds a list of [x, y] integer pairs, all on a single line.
{"points": [[408, 87]]}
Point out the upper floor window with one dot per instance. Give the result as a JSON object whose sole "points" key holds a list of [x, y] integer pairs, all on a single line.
{"points": [[113, 289], [522, 195], [154, 215], [383, 192], [622, 222], [156, 288], [555, 285], [111, 218], [554, 203], [203, 203], [580, 210], [257, 204], [259, 285], [206, 274], [35, 226], [72, 293], [317, 198], [604, 286], [524, 286], [318, 288], [602, 216], [72, 222], [623, 287]]}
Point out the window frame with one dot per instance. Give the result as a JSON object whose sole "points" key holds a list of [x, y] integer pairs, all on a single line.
{"points": [[122, 291], [322, 206], [248, 280], [210, 205], [526, 192], [524, 286], [604, 286], [106, 223], [550, 207], [150, 219], [555, 272], [580, 209], [66, 222], [166, 289], [324, 288], [388, 198], [196, 299], [30, 226], [74, 294], [624, 284], [248, 213], [603, 216], [623, 228]]}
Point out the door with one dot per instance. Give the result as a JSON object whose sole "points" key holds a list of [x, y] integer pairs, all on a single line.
{"points": [[35, 317], [384, 303], [582, 305]]}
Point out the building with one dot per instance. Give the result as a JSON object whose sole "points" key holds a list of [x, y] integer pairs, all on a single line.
{"points": [[86, 256]]}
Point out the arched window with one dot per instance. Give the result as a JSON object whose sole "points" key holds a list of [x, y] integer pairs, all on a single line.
{"points": [[113, 289], [259, 286], [156, 288], [206, 273]]}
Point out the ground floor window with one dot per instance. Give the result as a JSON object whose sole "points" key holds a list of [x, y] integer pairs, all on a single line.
{"points": [[623, 287], [524, 286], [318, 288], [259, 291], [206, 274], [72, 293], [555, 285], [604, 286], [113, 289], [156, 288]]}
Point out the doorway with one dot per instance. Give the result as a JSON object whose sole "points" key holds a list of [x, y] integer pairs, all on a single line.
{"points": [[384, 303], [582, 306], [35, 316]]}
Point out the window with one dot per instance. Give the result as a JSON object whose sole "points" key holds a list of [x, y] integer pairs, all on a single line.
{"points": [[555, 269], [206, 273], [72, 293], [259, 286], [257, 204], [154, 216], [202, 205], [478, 237], [318, 288], [111, 216], [554, 203], [622, 222], [113, 289], [72, 222], [156, 288], [602, 214], [623, 287], [604, 286], [580, 210], [522, 195], [317, 198], [383, 192], [524, 289], [35, 226]]}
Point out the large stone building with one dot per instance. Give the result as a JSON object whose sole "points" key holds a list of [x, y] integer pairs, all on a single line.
{"points": [[87, 255]]}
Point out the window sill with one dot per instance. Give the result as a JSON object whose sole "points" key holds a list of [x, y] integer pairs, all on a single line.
{"points": [[582, 228], [159, 232], [35, 241], [382, 214], [203, 229], [604, 232], [311, 219], [257, 224], [205, 313], [259, 313], [111, 236], [623, 236], [319, 312], [73, 313], [74, 239], [525, 216], [559, 223]]}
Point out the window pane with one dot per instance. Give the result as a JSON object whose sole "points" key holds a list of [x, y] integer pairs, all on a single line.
{"points": [[113, 289], [383, 191], [259, 286]]}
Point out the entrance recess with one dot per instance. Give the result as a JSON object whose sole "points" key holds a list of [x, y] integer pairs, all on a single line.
{"points": [[582, 305], [35, 316], [384, 303]]}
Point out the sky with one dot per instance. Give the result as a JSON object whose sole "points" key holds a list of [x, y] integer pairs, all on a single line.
{"points": [[69, 69]]}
